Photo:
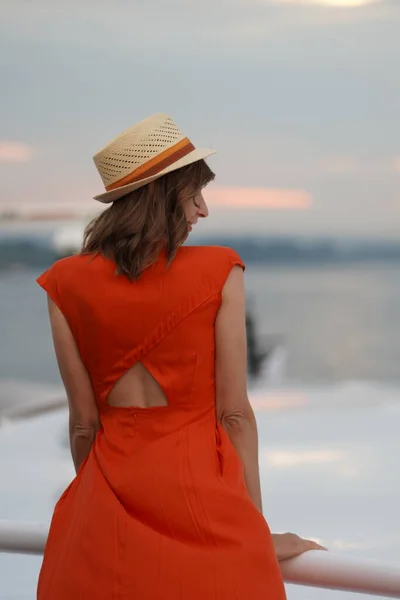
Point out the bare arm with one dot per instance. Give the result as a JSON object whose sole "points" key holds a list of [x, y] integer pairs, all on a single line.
{"points": [[83, 412], [233, 407]]}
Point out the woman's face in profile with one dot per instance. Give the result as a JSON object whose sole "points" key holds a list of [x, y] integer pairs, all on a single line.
{"points": [[195, 208]]}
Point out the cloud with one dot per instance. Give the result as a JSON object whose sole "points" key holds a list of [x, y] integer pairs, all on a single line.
{"points": [[295, 96], [331, 3], [15, 152], [290, 459], [340, 165], [353, 165], [262, 198], [156, 23]]}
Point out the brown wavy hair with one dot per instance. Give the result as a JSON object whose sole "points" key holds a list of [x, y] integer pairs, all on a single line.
{"points": [[136, 227]]}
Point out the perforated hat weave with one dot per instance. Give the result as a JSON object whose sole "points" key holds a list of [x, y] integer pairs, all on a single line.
{"points": [[141, 154]]}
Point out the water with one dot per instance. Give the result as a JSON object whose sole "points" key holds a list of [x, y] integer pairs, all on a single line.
{"points": [[337, 322]]}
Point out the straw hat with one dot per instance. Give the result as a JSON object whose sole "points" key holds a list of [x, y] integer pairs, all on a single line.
{"points": [[143, 153]]}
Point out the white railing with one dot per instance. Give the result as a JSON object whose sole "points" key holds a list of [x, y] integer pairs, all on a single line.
{"points": [[345, 573], [31, 409], [22, 537], [314, 568]]}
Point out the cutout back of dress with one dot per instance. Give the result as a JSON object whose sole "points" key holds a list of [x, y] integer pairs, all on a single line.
{"points": [[137, 388]]}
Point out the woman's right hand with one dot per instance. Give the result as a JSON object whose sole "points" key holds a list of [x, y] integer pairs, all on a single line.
{"points": [[289, 545]]}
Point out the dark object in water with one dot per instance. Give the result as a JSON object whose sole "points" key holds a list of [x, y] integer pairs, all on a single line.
{"points": [[257, 353]]}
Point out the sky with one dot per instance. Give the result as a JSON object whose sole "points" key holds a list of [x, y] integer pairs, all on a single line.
{"points": [[299, 97]]}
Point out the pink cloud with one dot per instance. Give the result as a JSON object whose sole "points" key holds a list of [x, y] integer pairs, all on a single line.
{"points": [[263, 198], [341, 165], [14, 152], [278, 400]]}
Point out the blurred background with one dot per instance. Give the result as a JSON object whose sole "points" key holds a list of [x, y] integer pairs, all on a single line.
{"points": [[300, 98]]}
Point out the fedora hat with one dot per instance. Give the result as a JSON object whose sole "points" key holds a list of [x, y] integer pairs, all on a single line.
{"points": [[143, 153]]}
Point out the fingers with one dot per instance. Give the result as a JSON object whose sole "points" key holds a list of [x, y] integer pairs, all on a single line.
{"points": [[311, 545]]}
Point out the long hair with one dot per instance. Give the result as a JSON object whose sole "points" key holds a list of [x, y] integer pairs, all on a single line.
{"points": [[136, 227]]}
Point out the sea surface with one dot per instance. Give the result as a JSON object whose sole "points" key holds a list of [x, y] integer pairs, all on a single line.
{"points": [[333, 323]]}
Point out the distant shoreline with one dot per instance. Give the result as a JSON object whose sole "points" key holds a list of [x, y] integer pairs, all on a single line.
{"points": [[20, 253]]}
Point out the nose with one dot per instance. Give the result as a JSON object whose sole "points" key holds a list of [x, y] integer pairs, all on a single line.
{"points": [[202, 210]]}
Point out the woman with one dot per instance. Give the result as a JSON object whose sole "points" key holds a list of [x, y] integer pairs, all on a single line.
{"points": [[151, 345]]}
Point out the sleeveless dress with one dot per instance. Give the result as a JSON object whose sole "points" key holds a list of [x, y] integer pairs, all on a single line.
{"points": [[159, 510]]}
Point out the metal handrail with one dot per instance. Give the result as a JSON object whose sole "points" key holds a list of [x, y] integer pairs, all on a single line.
{"points": [[22, 537], [345, 573], [313, 568]]}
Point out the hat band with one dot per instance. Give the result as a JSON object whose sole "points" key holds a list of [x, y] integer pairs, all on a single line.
{"points": [[155, 165]]}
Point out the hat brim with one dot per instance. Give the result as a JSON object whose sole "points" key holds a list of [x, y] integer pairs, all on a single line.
{"points": [[194, 156]]}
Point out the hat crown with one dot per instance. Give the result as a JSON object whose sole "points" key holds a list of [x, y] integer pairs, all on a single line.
{"points": [[136, 147]]}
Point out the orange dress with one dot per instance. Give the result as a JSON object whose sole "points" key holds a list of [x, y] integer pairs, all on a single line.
{"points": [[159, 509]]}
